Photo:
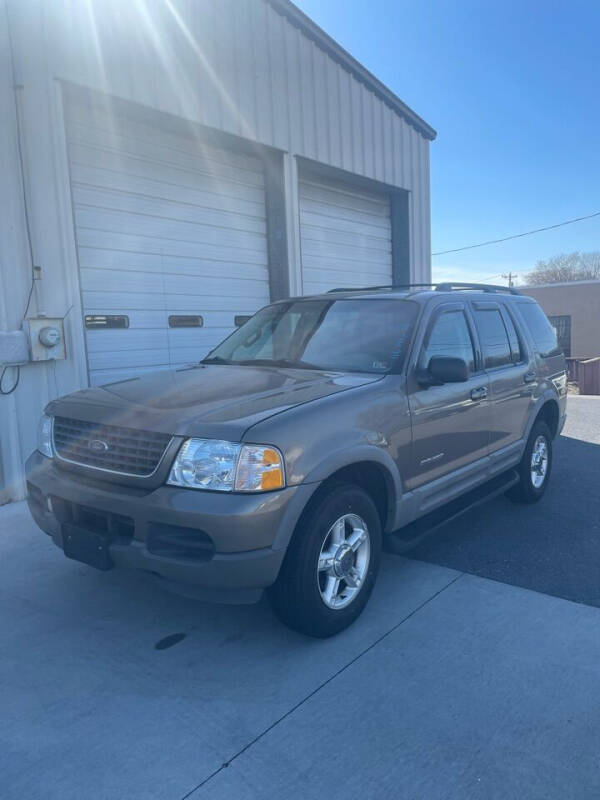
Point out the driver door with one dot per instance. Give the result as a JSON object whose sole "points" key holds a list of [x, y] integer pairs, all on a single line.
{"points": [[450, 423]]}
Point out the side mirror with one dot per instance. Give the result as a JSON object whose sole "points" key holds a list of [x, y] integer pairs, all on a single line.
{"points": [[446, 369]]}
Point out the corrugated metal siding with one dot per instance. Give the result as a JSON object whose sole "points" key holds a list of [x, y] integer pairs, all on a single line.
{"points": [[165, 225], [345, 237], [240, 66], [236, 65]]}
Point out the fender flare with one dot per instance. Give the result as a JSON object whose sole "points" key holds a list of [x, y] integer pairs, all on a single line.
{"points": [[347, 457], [546, 395]]}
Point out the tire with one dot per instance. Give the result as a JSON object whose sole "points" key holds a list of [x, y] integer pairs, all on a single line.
{"points": [[326, 545], [530, 487]]}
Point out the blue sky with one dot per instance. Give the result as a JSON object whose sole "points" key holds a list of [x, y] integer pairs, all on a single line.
{"points": [[513, 89]]}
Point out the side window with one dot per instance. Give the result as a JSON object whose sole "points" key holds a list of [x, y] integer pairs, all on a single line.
{"points": [[562, 326], [494, 339], [513, 338], [450, 336], [542, 332]]}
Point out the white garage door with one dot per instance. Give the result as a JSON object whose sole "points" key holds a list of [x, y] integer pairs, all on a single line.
{"points": [[171, 238], [345, 235]]}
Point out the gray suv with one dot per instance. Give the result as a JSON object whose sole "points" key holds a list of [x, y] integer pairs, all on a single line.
{"points": [[320, 430]]}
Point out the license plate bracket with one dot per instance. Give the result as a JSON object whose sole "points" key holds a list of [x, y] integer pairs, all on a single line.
{"points": [[87, 546]]}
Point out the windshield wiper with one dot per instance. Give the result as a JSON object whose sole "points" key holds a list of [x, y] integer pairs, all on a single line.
{"points": [[277, 362], [216, 360]]}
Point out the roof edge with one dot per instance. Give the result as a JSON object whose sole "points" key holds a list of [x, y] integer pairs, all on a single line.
{"points": [[343, 57], [588, 281]]}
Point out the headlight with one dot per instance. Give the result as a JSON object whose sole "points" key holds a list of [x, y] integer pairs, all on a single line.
{"points": [[226, 466], [44, 438]]}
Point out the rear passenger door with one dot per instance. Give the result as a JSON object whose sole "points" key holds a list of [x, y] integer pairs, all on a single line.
{"points": [[511, 375], [449, 422]]}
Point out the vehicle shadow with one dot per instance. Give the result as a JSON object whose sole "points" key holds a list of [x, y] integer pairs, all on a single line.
{"points": [[552, 546]]}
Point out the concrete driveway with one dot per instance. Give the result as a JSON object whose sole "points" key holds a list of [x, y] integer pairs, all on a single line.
{"points": [[450, 685]]}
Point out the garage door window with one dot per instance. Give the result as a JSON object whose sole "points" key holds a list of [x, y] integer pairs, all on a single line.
{"points": [[99, 321]]}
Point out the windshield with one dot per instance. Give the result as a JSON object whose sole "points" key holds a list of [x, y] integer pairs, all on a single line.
{"points": [[338, 335]]}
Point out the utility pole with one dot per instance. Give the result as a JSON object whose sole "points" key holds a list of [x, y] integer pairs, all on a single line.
{"points": [[510, 278]]}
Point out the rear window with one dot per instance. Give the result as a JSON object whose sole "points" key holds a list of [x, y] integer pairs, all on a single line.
{"points": [[542, 332]]}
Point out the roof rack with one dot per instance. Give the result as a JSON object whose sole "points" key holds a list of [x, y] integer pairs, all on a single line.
{"points": [[383, 286], [446, 286], [481, 287]]}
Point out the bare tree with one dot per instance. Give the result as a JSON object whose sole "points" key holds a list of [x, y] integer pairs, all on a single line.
{"points": [[566, 267]]}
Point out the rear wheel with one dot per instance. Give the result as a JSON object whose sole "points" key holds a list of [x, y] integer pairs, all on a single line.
{"points": [[535, 467], [331, 565]]}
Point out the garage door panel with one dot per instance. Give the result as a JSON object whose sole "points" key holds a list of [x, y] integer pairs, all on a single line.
{"points": [[325, 284], [125, 222], [146, 262], [130, 168], [168, 247], [251, 203], [319, 195], [127, 133], [170, 167], [100, 341], [205, 159], [345, 236], [333, 238], [194, 348], [99, 377], [196, 337], [349, 253], [159, 208], [193, 354], [130, 359], [147, 283], [344, 264], [165, 225], [369, 278], [119, 303], [334, 218]]}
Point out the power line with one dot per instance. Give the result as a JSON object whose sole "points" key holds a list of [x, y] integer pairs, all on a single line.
{"points": [[517, 235]]}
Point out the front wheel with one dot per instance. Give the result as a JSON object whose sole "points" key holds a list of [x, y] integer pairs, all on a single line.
{"points": [[535, 467], [331, 565]]}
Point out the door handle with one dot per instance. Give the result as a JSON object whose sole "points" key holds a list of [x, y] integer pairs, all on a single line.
{"points": [[480, 393], [529, 377]]}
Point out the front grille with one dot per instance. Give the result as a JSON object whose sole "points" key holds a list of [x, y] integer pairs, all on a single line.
{"points": [[109, 447]]}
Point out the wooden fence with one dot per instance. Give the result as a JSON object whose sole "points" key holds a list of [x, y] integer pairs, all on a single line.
{"points": [[586, 373]]}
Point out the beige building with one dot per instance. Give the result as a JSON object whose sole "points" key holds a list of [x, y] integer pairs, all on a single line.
{"points": [[574, 310]]}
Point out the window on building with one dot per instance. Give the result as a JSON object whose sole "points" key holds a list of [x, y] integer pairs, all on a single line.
{"points": [[562, 326], [543, 334], [494, 338], [450, 336]]}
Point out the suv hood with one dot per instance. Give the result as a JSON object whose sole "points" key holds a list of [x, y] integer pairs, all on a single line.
{"points": [[209, 400]]}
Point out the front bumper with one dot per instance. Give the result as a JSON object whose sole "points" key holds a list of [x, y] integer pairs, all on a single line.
{"points": [[249, 533]]}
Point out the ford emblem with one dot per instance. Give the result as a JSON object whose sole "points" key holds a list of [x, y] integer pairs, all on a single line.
{"points": [[98, 445]]}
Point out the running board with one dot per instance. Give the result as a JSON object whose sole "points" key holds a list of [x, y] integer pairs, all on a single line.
{"points": [[411, 535]]}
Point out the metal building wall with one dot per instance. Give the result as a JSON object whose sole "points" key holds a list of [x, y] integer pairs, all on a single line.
{"points": [[239, 66], [242, 67]]}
